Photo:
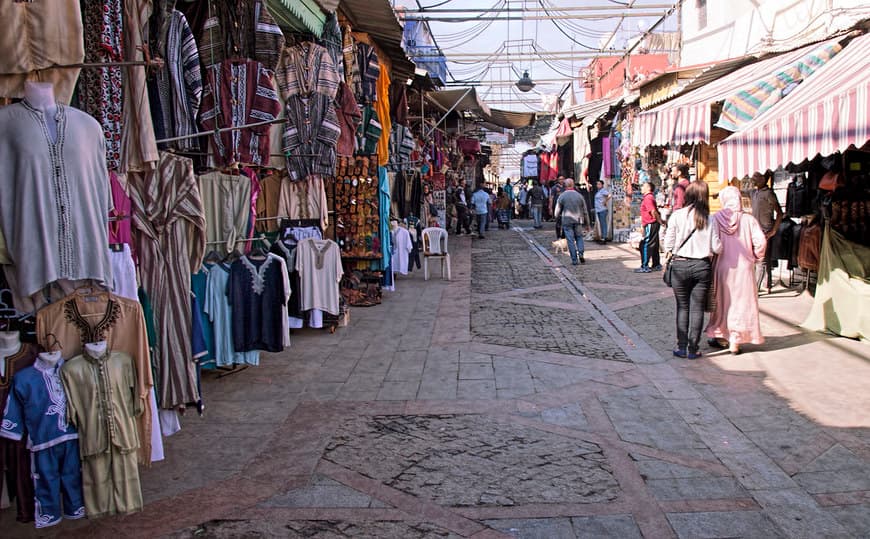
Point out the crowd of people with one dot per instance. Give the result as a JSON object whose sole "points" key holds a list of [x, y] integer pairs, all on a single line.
{"points": [[719, 261]]}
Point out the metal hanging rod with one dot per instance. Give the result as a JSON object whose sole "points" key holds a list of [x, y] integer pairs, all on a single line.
{"points": [[597, 16], [222, 130], [526, 9]]}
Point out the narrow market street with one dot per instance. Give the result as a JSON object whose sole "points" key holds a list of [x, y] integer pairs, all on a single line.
{"points": [[525, 398]]}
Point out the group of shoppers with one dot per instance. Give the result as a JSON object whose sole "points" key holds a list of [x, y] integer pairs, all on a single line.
{"points": [[721, 251]]}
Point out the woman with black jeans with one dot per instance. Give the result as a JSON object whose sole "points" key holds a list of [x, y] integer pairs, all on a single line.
{"points": [[692, 242]]}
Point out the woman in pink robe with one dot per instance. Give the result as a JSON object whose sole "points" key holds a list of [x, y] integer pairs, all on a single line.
{"points": [[743, 243]]}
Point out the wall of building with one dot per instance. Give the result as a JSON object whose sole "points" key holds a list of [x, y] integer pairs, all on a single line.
{"points": [[640, 66], [716, 30]]}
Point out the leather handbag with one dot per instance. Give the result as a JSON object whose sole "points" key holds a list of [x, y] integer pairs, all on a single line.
{"points": [[668, 274]]}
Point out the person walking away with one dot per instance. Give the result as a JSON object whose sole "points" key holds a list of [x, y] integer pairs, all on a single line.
{"points": [[523, 199], [450, 207], [769, 214], [735, 318], [509, 192], [502, 209], [481, 202], [536, 203], [602, 199], [692, 240], [571, 209], [651, 221], [555, 191], [460, 203]]}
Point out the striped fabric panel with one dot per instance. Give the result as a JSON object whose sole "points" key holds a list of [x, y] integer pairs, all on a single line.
{"points": [[825, 114], [748, 103]]}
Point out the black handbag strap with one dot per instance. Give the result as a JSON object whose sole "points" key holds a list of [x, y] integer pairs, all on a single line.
{"points": [[684, 242]]}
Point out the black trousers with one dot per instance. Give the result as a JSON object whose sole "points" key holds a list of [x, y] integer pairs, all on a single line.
{"points": [[691, 280], [462, 220], [649, 246]]}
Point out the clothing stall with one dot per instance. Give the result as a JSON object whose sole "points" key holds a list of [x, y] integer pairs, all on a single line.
{"points": [[175, 205]]}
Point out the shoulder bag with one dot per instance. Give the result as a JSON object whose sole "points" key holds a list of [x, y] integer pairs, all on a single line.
{"points": [[667, 276]]}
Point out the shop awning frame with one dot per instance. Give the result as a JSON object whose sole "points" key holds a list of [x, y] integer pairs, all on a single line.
{"points": [[466, 99], [827, 113]]}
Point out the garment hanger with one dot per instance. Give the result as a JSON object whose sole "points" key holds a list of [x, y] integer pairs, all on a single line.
{"points": [[212, 256]]}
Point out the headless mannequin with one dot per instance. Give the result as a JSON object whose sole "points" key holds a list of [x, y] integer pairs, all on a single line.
{"points": [[96, 349], [40, 95], [51, 358], [10, 344]]}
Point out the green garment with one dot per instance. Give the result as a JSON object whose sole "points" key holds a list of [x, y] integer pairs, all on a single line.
{"points": [[842, 301], [102, 402]]}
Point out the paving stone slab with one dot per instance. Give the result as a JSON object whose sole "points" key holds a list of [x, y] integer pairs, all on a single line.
{"points": [[322, 529], [726, 524], [473, 461]]}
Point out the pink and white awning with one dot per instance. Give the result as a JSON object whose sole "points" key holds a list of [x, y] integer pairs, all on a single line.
{"points": [[827, 113], [687, 119]]}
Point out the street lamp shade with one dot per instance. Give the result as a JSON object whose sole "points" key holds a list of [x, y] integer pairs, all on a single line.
{"points": [[525, 83]]}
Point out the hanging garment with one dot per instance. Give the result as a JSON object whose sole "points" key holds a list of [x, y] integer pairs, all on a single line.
{"points": [[258, 300], [369, 132], [124, 273], [319, 265], [236, 94], [108, 438], [179, 85], [100, 90], [305, 200], [36, 410], [138, 144], [348, 52], [349, 117], [240, 29], [288, 253], [382, 105], [226, 200], [268, 201], [401, 250], [55, 195], [401, 145], [220, 313], [28, 56], [306, 69], [310, 135], [14, 456], [331, 39], [366, 83], [198, 285], [399, 104], [170, 239], [530, 166], [120, 223], [83, 318]]}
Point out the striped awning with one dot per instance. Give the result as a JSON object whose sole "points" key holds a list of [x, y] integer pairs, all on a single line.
{"points": [[687, 118], [740, 108], [827, 113], [298, 15]]}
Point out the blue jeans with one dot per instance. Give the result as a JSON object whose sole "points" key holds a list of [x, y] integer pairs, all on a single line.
{"points": [[536, 215], [691, 279], [482, 222], [602, 223], [574, 238]]}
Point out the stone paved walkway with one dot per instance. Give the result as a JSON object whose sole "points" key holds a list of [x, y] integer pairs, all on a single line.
{"points": [[526, 398]]}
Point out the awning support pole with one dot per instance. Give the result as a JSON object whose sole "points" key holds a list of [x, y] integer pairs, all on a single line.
{"points": [[448, 112]]}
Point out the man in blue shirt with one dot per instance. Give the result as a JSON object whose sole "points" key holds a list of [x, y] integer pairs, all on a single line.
{"points": [[480, 200], [602, 198]]}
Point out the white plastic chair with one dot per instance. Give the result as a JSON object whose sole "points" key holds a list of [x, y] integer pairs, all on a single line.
{"points": [[435, 246]]}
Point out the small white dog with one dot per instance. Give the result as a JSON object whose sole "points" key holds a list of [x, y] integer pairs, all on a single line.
{"points": [[561, 246]]}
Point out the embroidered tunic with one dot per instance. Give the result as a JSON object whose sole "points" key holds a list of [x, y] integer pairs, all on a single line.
{"points": [[306, 69], [105, 317], [319, 265], [14, 456], [226, 199], [37, 408], [170, 239], [239, 93], [258, 298], [55, 196], [220, 313], [305, 200]]}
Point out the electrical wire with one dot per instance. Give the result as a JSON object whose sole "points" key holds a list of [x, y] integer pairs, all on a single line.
{"points": [[541, 3]]}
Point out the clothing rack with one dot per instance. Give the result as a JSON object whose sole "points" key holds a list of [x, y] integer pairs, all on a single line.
{"points": [[222, 130], [261, 237], [155, 62]]}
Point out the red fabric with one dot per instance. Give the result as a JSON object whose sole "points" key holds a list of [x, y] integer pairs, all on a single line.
{"points": [[549, 166], [349, 118], [647, 209]]}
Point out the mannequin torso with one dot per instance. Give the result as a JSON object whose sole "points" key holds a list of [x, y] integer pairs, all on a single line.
{"points": [[40, 95]]}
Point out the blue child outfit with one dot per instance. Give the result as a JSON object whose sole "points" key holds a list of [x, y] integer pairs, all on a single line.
{"points": [[36, 408]]}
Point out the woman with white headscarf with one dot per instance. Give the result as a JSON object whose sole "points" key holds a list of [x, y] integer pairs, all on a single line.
{"points": [[735, 318]]}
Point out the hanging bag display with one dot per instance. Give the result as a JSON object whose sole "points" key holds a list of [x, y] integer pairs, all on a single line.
{"points": [[667, 276]]}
